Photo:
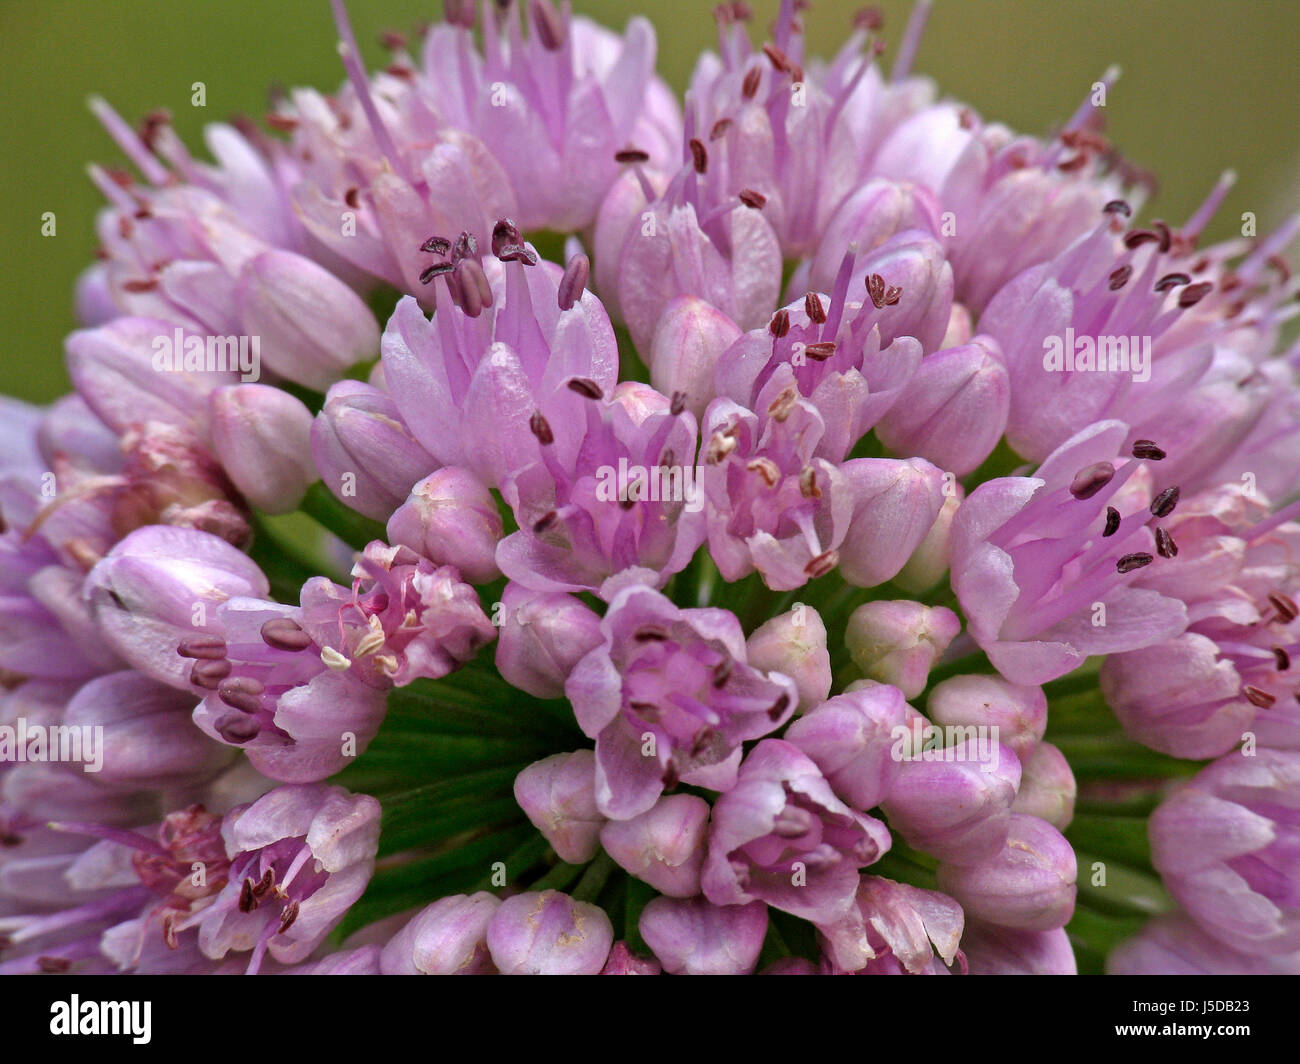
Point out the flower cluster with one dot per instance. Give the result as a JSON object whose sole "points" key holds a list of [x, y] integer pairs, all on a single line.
{"points": [[651, 462]]}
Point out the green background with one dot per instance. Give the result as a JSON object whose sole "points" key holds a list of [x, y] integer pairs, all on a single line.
{"points": [[1207, 84]]}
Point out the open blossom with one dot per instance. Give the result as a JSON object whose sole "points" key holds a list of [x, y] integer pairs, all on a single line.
{"points": [[780, 835], [668, 697], [1034, 557]]}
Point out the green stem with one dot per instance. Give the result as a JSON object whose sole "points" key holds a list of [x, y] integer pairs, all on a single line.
{"points": [[356, 530], [593, 879]]}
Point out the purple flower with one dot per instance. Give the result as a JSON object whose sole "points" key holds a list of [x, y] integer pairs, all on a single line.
{"points": [[558, 794], [451, 519], [1174, 945], [897, 642], [1019, 714], [1028, 885], [1047, 787], [1043, 565], [794, 644], [992, 950], [548, 933], [693, 937], [542, 637], [299, 857], [448, 937], [664, 846], [262, 437], [780, 835], [894, 922], [1225, 844], [669, 696]]}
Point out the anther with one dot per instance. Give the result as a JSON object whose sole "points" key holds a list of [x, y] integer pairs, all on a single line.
{"points": [[1165, 545], [820, 351], [208, 674], [1091, 479], [541, 428], [1194, 293], [585, 387], [284, 633], [780, 323], [1148, 451], [1129, 562], [1259, 698], [1112, 522], [205, 647], [1286, 608], [242, 693], [574, 281], [699, 156], [1119, 278], [813, 307], [1163, 504], [1172, 280], [822, 564], [753, 200], [631, 155]]}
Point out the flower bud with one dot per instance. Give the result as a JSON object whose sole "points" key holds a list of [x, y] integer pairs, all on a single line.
{"points": [[312, 326], [896, 504], [663, 846], [954, 410], [542, 636], [262, 435], [687, 342], [1019, 713], [365, 453], [451, 519], [147, 737], [558, 794], [954, 803], [897, 642], [850, 738], [1028, 885], [1047, 787], [159, 589], [448, 937], [795, 644], [693, 937], [548, 933]]}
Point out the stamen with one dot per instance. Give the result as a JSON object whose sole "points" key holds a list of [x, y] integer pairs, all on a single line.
{"points": [[813, 307], [754, 200], [1285, 606], [574, 281], [1257, 697], [631, 155], [1165, 545], [1194, 293], [1148, 451], [1129, 562], [780, 323], [284, 633], [1112, 522], [242, 693], [699, 155], [585, 387], [205, 647], [1091, 479], [548, 25], [209, 674], [1163, 504]]}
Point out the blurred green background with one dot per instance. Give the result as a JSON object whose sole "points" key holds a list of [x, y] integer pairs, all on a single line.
{"points": [[1207, 84]]}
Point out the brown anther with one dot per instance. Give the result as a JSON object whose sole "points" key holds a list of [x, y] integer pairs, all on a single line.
{"points": [[808, 486], [1257, 697], [1137, 237], [544, 522], [206, 647], [1162, 231], [1165, 545], [779, 707], [1286, 608], [1075, 162], [288, 916], [585, 387], [822, 564], [779, 408], [1194, 293], [650, 635], [351, 198], [719, 129], [754, 200], [1112, 522], [876, 289], [1172, 280], [242, 693], [749, 87], [699, 155], [209, 674], [776, 57], [820, 351], [1118, 206], [1163, 504], [263, 886], [247, 902], [436, 270], [53, 965], [284, 633], [1282, 658], [541, 428], [767, 469], [722, 672], [1091, 479], [676, 404], [1148, 451], [437, 245], [1119, 278], [1129, 562], [812, 305], [141, 286], [631, 155]]}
